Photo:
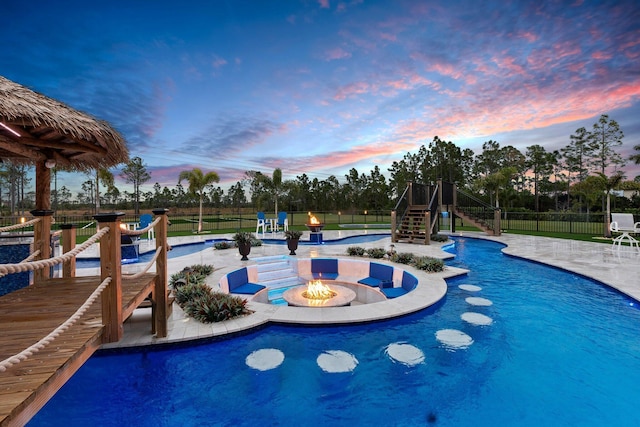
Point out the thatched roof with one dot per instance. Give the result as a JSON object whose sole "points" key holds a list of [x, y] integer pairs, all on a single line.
{"points": [[35, 128]]}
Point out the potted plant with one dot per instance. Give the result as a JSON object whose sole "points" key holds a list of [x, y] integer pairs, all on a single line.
{"points": [[243, 241], [293, 237]]}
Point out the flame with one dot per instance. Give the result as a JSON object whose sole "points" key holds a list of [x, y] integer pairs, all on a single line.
{"points": [[316, 290], [313, 220]]}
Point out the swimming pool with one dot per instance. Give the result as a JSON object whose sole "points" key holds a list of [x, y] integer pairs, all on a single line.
{"points": [[557, 349], [192, 248]]}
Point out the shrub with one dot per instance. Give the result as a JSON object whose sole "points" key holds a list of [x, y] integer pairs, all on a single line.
{"points": [[190, 292], [431, 265], [439, 238], [403, 258], [196, 274], [355, 251], [376, 253], [222, 245], [216, 307]]}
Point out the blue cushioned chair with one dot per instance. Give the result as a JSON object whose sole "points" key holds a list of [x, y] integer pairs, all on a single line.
{"points": [[239, 283], [380, 276], [323, 268], [409, 283]]}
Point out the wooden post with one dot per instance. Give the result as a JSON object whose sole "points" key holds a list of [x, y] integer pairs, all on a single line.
{"points": [[111, 266], [427, 231], [439, 210], [394, 236], [455, 207], [42, 242], [161, 288], [496, 223], [68, 243], [410, 194]]}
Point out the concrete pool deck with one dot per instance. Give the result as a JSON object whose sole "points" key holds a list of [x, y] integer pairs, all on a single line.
{"points": [[616, 268]]}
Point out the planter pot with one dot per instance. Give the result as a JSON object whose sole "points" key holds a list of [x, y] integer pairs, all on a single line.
{"points": [[292, 244], [244, 249]]}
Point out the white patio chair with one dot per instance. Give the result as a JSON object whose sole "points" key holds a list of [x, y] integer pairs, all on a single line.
{"points": [[262, 223], [623, 223]]}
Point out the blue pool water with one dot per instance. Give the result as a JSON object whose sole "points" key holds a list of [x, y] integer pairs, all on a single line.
{"points": [[191, 248], [561, 351]]}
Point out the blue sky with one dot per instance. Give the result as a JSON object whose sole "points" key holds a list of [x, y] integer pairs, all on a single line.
{"points": [[320, 87]]}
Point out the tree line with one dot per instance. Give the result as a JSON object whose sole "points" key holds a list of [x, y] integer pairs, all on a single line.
{"points": [[573, 178]]}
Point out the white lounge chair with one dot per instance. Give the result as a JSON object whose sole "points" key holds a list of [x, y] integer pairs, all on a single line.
{"points": [[623, 223]]}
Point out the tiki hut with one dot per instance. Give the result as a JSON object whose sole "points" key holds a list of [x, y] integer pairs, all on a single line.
{"points": [[35, 129]]}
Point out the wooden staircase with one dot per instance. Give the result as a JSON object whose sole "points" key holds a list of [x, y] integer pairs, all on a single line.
{"points": [[412, 227], [476, 222]]}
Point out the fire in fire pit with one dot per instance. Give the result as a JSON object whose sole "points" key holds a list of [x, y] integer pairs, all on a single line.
{"points": [[314, 225], [318, 290]]}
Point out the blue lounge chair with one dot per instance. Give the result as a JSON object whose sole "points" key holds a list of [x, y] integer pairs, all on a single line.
{"points": [[238, 281], [380, 276], [409, 283], [322, 268]]}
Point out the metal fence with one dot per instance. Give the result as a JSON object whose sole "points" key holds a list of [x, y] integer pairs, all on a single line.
{"points": [[548, 222], [218, 222], [554, 222]]}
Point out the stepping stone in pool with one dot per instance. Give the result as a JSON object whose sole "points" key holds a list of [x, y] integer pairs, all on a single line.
{"points": [[405, 353], [470, 288], [265, 359], [336, 361], [479, 301], [454, 339], [476, 319]]}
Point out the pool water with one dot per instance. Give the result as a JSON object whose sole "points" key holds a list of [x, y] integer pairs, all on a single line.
{"points": [[192, 248], [557, 350]]}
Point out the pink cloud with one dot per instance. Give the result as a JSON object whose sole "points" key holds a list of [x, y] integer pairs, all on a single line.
{"points": [[337, 53], [218, 62], [601, 56], [352, 89], [324, 4]]}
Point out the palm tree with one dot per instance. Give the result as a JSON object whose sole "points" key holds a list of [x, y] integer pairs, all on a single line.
{"points": [[609, 184], [197, 183], [274, 186], [102, 175]]}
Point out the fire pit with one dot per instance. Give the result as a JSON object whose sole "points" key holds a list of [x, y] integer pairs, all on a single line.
{"points": [[317, 294], [315, 227]]}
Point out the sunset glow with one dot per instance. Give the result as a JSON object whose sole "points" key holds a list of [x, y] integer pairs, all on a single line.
{"points": [[320, 87]]}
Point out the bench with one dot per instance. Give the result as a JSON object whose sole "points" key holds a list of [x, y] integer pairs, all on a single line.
{"points": [[238, 282], [623, 223], [409, 283], [380, 276], [324, 268]]}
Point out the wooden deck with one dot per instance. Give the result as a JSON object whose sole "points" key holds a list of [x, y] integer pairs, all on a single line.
{"points": [[30, 314]]}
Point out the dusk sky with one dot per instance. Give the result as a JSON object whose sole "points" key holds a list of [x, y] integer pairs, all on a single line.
{"points": [[323, 86]]}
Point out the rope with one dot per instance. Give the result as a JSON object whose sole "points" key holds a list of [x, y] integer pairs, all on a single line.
{"points": [[24, 354], [19, 226], [32, 256], [142, 230], [27, 259], [148, 266], [45, 263]]}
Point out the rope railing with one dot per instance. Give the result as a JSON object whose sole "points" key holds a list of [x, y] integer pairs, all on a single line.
{"points": [[142, 230], [147, 267], [26, 353], [19, 226], [50, 262], [31, 257]]}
